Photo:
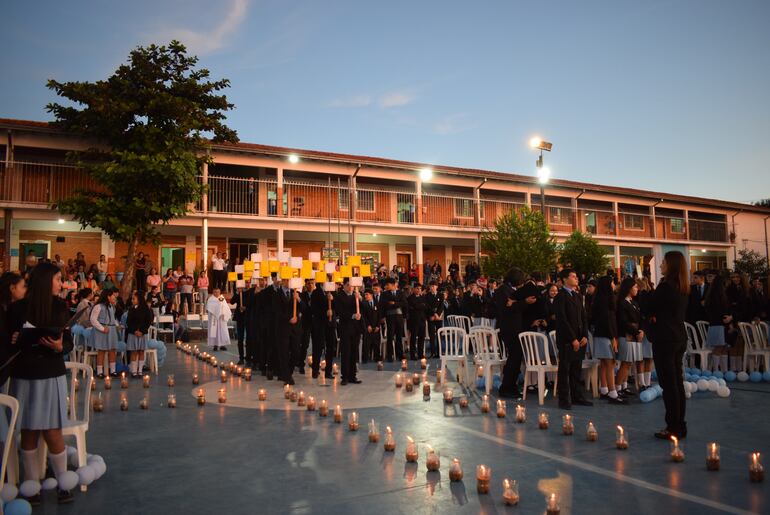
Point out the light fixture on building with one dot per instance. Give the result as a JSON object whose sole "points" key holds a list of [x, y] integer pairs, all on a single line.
{"points": [[703, 250], [540, 144], [374, 235], [543, 175], [426, 174], [61, 220], [293, 159]]}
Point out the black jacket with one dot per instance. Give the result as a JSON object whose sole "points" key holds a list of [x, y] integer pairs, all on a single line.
{"points": [[668, 306], [139, 318], [695, 308], [390, 301], [508, 317], [571, 322], [603, 317], [629, 318], [371, 314], [418, 309]]}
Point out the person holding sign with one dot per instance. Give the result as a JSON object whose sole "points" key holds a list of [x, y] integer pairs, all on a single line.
{"points": [[219, 314]]}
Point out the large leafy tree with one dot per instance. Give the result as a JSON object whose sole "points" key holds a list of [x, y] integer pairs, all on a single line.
{"points": [[751, 263], [765, 202], [148, 125], [581, 252], [519, 239]]}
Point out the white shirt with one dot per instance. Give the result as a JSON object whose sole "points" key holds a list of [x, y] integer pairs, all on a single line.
{"points": [[217, 263]]}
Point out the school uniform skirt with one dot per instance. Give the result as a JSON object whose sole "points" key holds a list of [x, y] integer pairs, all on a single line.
{"points": [[42, 402], [716, 336], [136, 343], [646, 348], [603, 348], [106, 341], [629, 351]]}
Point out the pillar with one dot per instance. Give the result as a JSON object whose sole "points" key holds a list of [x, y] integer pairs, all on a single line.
{"points": [[392, 258], [418, 256], [279, 194], [189, 253], [262, 247], [418, 202], [576, 225], [447, 258], [617, 257], [14, 239], [352, 244], [654, 222], [617, 217], [279, 240], [528, 199], [205, 223], [7, 221]]}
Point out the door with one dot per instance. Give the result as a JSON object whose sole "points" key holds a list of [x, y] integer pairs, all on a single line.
{"points": [[404, 261], [39, 248], [171, 257]]}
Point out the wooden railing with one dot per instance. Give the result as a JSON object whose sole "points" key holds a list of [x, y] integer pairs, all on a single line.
{"points": [[40, 183]]}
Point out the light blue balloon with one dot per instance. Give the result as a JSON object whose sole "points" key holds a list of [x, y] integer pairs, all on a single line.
{"points": [[18, 507], [647, 395], [755, 377], [705, 373], [766, 376], [654, 375], [718, 374], [730, 376], [480, 383]]}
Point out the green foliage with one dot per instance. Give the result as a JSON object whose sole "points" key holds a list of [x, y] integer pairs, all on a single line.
{"points": [[765, 202], [751, 263], [581, 252], [519, 239]]}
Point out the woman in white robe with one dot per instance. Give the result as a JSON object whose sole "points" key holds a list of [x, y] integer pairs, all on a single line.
{"points": [[219, 314]]}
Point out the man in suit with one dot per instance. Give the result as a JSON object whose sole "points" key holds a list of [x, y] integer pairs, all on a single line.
{"points": [[307, 324], [418, 311], [268, 356], [239, 315], [509, 307], [571, 340], [696, 305], [435, 302], [393, 306], [350, 320], [288, 330], [322, 313], [371, 345], [252, 300]]}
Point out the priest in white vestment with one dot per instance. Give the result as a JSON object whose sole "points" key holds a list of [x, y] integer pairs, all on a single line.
{"points": [[219, 314]]}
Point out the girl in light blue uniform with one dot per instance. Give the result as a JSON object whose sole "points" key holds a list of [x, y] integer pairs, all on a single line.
{"points": [[105, 332]]}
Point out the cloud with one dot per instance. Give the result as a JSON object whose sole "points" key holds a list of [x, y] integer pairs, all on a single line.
{"points": [[207, 41], [452, 124], [354, 101], [395, 99]]}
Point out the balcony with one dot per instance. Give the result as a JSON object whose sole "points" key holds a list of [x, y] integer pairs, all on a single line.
{"points": [[708, 230], [40, 183]]}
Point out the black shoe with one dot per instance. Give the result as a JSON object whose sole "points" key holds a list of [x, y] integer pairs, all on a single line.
{"points": [[328, 375], [290, 381], [344, 382], [215, 348], [565, 405], [33, 500], [664, 434], [64, 496], [223, 348], [583, 402], [509, 395], [269, 375], [531, 389], [240, 362], [113, 374], [301, 371], [355, 381], [100, 376], [617, 400], [627, 393]]}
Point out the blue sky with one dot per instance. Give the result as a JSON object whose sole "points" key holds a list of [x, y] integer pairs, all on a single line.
{"points": [[663, 95]]}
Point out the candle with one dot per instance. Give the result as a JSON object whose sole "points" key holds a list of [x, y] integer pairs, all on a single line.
{"points": [[107, 383], [426, 389], [404, 365], [485, 404], [542, 420], [247, 374], [231, 367], [145, 402], [293, 397], [310, 403], [170, 380], [463, 402], [415, 379], [286, 391], [201, 397], [98, 403], [411, 450], [677, 454], [76, 381], [621, 439], [223, 376], [455, 470], [521, 414], [712, 456], [409, 386], [195, 379], [592, 434], [238, 371], [501, 409], [483, 477], [399, 381], [448, 396], [262, 394], [334, 369], [179, 344], [390, 442], [567, 427], [171, 400], [510, 492], [423, 363], [374, 432], [222, 395], [552, 505], [432, 460], [123, 402], [323, 408], [338, 414], [756, 470], [93, 384], [380, 366], [323, 364], [301, 398], [353, 421], [438, 376], [479, 371], [123, 380]]}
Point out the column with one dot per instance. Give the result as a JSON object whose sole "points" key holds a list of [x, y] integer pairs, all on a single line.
{"points": [[576, 225], [352, 244], [7, 222], [477, 249], [447, 258], [204, 257], [279, 240], [189, 253], [418, 256], [279, 194], [617, 217], [528, 199], [392, 258], [687, 224], [418, 202], [617, 259], [14, 246], [653, 222], [262, 247]]}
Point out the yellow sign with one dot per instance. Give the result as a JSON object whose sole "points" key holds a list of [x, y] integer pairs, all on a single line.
{"points": [[354, 261], [232, 276], [365, 270], [286, 272], [275, 266], [248, 265], [320, 277], [346, 271], [337, 277]]}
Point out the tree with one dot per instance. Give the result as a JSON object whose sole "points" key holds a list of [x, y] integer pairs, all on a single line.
{"points": [[148, 124], [519, 239], [751, 263], [765, 202], [581, 252]]}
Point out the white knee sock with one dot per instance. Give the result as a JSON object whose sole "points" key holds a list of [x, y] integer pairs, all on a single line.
{"points": [[613, 394], [31, 467], [647, 378], [58, 463], [723, 363], [132, 367], [112, 367], [618, 387], [140, 366], [99, 369], [640, 379], [603, 390], [625, 385]]}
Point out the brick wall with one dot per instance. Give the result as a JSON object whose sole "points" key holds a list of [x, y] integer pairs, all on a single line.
{"points": [[89, 243]]}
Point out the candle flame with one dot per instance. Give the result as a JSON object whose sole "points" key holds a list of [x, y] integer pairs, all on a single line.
{"points": [[620, 429], [411, 440], [429, 449], [675, 440]]}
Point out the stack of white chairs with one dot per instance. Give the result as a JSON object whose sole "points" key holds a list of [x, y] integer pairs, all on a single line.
{"points": [[489, 354], [754, 351], [531, 343], [696, 347]]}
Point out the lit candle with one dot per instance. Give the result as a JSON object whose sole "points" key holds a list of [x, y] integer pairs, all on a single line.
{"points": [[201, 397], [374, 432], [404, 365], [238, 371], [262, 394], [415, 379], [510, 492], [123, 380], [231, 367], [286, 391], [483, 477], [145, 402], [411, 450], [621, 439], [247, 374], [338, 414], [309, 361], [98, 403], [170, 381], [171, 400], [552, 505], [311, 403], [107, 383], [380, 366], [423, 363], [93, 384], [592, 434], [432, 460], [223, 376], [399, 381], [301, 398], [123, 402], [501, 409], [479, 371], [438, 376], [76, 381], [455, 470], [463, 401], [323, 408], [179, 344], [567, 427], [409, 386], [222, 395], [335, 369], [677, 454], [426, 389], [521, 414], [323, 364], [756, 470], [712, 456], [293, 397], [195, 379], [390, 442], [448, 396], [542, 420], [485, 404], [353, 421]]}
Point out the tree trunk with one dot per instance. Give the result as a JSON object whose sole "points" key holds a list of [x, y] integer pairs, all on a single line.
{"points": [[128, 276]]}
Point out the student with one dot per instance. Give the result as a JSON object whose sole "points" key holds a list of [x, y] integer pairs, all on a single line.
{"points": [[140, 271], [13, 288], [105, 335], [604, 321], [718, 311], [90, 283], [418, 313], [38, 374], [696, 307], [108, 283], [630, 333], [85, 298], [185, 287], [101, 269], [510, 307], [69, 285], [169, 285], [138, 322], [371, 345], [153, 280], [644, 369]]}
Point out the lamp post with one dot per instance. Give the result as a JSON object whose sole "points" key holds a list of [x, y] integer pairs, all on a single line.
{"points": [[543, 174]]}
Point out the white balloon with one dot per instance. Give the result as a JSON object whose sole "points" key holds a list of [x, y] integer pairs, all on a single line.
{"points": [[722, 382], [703, 385], [687, 394], [9, 492], [100, 468], [50, 483], [713, 386], [723, 391], [69, 480], [743, 376], [86, 475], [29, 488]]}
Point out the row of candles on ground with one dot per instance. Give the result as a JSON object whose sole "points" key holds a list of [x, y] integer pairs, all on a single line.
{"points": [[232, 368]]}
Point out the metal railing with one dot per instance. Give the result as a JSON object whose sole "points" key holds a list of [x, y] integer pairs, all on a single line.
{"points": [[41, 183]]}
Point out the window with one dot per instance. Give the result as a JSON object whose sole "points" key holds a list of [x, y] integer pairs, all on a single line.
{"points": [[633, 222], [343, 197], [559, 215], [466, 208], [365, 199], [677, 225]]}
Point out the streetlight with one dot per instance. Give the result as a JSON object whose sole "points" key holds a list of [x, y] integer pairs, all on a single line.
{"points": [[293, 159], [543, 174], [426, 174]]}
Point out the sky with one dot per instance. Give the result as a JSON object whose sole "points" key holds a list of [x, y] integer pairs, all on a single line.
{"points": [[670, 96]]}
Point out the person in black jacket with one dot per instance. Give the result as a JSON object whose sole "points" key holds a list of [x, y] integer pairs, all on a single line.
{"points": [[349, 320], [571, 340], [138, 322], [323, 330], [669, 340], [239, 315], [435, 302], [418, 314], [287, 320], [253, 320], [307, 324], [509, 308], [38, 325], [719, 316], [371, 342], [630, 333], [605, 329], [696, 305], [393, 306]]}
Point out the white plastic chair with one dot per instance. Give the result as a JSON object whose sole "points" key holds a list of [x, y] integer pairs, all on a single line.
{"points": [[531, 343], [489, 353], [695, 347], [591, 367], [165, 319], [6, 401], [762, 333], [753, 350], [703, 330], [151, 355], [451, 348]]}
